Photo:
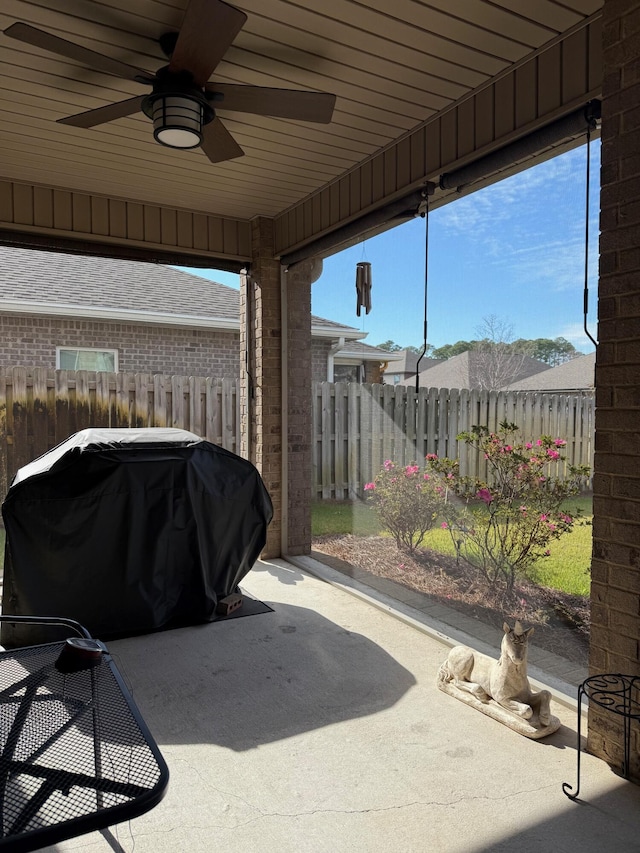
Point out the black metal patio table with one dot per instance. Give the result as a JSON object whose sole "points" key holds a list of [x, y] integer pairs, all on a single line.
{"points": [[75, 754]]}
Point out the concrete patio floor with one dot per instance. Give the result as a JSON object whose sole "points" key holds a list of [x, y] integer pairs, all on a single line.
{"points": [[318, 727]]}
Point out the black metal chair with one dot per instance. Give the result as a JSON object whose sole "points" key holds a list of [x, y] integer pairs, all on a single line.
{"points": [[75, 754]]}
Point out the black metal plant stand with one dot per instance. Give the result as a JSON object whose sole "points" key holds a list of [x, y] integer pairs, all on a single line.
{"points": [[619, 694]]}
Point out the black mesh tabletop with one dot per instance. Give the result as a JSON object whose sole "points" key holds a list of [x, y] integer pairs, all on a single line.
{"points": [[75, 754]]}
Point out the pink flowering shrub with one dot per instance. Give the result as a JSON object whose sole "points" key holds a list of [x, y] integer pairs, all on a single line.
{"points": [[407, 502], [503, 526]]}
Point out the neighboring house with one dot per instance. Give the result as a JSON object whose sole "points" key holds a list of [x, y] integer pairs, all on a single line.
{"points": [[401, 370], [573, 377], [477, 369], [82, 312]]}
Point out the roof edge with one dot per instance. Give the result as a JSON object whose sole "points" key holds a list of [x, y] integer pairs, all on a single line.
{"points": [[88, 312], [154, 318]]}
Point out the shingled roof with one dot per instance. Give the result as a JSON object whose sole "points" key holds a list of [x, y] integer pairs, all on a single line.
{"points": [[464, 371], [575, 375], [81, 281], [46, 283]]}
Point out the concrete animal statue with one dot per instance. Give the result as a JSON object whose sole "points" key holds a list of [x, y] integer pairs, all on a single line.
{"points": [[503, 680]]}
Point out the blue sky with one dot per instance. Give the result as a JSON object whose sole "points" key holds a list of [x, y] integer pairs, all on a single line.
{"points": [[514, 250]]}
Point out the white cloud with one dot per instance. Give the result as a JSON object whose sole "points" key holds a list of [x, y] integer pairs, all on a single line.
{"points": [[554, 266], [520, 210]]}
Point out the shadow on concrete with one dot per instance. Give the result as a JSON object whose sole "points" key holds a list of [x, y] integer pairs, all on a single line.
{"points": [[609, 822], [283, 572], [246, 682]]}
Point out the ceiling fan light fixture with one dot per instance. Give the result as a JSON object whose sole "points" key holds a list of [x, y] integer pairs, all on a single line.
{"points": [[178, 109], [177, 121]]}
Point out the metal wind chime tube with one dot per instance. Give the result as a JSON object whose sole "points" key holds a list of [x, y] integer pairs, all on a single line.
{"points": [[363, 287]]}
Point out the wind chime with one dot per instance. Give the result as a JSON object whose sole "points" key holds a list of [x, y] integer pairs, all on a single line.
{"points": [[363, 287]]}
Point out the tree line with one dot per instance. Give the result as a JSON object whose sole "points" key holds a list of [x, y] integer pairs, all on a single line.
{"points": [[551, 351]]}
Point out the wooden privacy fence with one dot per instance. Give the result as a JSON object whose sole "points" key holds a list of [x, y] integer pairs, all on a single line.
{"points": [[39, 408], [357, 427]]}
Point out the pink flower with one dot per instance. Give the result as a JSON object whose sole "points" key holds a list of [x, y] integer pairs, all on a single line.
{"points": [[427, 477], [369, 487], [566, 518], [411, 469], [431, 456], [553, 454], [544, 517], [529, 446], [484, 495], [547, 553], [559, 442], [444, 525], [539, 442], [388, 465], [552, 527]]}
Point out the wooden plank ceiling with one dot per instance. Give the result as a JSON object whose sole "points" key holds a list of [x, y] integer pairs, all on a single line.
{"points": [[394, 67]]}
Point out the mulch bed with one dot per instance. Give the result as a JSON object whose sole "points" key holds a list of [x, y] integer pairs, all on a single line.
{"points": [[561, 620]]}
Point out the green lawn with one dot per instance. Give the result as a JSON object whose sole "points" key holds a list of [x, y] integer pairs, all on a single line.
{"points": [[566, 569], [343, 517]]}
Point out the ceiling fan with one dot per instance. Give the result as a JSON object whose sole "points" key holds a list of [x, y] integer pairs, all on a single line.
{"points": [[182, 103]]}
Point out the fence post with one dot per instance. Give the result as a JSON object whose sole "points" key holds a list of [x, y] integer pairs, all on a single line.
{"points": [[354, 432]]}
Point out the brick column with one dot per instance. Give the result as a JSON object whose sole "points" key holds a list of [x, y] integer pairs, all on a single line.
{"points": [[267, 407], [615, 590], [297, 283], [260, 383]]}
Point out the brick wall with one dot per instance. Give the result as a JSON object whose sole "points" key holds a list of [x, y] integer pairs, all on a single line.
{"points": [[372, 372], [32, 341], [319, 355], [615, 591], [299, 408]]}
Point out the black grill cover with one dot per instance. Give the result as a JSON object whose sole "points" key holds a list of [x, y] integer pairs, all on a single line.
{"points": [[130, 531]]}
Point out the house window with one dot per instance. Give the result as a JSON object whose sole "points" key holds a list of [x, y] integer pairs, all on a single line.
{"points": [[86, 359], [347, 373]]}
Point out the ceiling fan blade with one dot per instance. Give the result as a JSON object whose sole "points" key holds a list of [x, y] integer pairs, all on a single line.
{"points": [[282, 103], [47, 41], [207, 31], [218, 144], [91, 118]]}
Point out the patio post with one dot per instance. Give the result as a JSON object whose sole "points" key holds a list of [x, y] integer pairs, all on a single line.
{"points": [[275, 388], [260, 373]]}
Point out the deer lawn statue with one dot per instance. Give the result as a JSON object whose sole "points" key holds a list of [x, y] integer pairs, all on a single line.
{"points": [[500, 688]]}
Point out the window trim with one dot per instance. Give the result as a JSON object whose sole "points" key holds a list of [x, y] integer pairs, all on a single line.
{"points": [[60, 349]]}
